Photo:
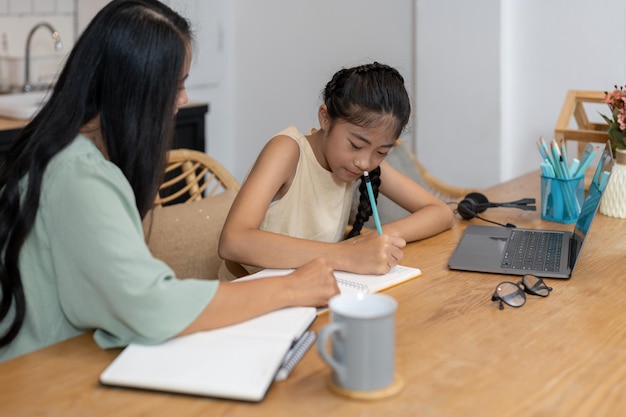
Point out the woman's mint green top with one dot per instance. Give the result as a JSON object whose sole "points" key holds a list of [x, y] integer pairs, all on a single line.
{"points": [[85, 264]]}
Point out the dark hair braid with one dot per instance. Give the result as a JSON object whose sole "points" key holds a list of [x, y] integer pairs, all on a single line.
{"points": [[365, 208]]}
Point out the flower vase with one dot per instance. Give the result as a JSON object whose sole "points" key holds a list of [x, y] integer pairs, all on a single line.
{"points": [[613, 201]]}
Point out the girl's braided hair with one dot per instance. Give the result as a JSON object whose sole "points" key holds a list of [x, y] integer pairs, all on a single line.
{"points": [[365, 208]]}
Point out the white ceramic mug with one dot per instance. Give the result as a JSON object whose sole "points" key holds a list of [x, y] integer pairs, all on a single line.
{"points": [[362, 336]]}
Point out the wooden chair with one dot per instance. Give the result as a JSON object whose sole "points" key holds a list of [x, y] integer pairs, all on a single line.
{"points": [[439, 188], [191, 175], [404, 160]]}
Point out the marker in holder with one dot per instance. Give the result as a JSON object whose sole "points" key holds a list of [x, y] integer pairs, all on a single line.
{"points": [[561, 199]]}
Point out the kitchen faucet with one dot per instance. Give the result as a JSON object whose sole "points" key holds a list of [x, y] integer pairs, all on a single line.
{"points": [[57, 46]]}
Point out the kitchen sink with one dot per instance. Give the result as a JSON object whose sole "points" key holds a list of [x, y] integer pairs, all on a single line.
{"points": [[22, 105]]}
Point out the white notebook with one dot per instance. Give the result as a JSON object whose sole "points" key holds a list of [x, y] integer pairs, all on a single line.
{"points": [[351, 282], [236, 362]]}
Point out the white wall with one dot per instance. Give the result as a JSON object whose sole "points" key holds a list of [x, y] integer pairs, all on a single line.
{"points": [[554, 46], [489, 76], [279, 56], [492, 76], [458, 90], [85, 11]]}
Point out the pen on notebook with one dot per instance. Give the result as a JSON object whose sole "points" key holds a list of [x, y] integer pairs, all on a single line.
{"points": [[370, 192], [295, 354]]}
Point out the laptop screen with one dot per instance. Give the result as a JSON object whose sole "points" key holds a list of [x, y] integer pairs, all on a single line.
{"points": [[591, 203]]}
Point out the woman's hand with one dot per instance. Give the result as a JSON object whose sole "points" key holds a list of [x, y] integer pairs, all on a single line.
{"points": [[313, 284]]}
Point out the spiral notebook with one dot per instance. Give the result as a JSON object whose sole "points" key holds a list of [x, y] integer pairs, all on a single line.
{"points": [[351, 282]]}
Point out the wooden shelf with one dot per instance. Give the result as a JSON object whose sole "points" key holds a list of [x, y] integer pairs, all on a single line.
{"points": [[586, 131]]}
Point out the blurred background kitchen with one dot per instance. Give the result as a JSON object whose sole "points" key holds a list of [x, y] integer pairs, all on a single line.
{"points": [[487, 77]]}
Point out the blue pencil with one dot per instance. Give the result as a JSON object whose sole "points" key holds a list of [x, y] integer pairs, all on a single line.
{"points": [[585, 161], [370, 193]]}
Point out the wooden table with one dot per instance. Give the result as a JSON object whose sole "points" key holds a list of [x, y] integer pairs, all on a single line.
{"points": [[459, 355]]}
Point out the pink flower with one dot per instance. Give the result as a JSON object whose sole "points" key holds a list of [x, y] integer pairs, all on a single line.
{"points": [[620, 119], [616, 100]]}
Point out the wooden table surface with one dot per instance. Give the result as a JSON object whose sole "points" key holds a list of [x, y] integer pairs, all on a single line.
{"points": [[459, 355]]}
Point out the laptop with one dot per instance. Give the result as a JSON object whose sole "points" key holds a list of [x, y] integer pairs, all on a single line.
{"points": [[553, 253]]}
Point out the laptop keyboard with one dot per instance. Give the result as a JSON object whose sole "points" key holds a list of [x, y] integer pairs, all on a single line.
{"points": [[533, 250]]}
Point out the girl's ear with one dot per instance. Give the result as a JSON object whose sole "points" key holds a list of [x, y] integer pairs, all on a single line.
{"points": [[324, 118]]}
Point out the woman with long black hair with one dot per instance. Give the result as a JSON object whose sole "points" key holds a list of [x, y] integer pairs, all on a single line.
{"points": [[76, 184]]}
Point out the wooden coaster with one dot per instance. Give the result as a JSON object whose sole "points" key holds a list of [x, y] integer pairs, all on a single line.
{"points": [[395, 387]]}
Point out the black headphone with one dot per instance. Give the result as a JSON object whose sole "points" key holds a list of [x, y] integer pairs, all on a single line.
{"points": [[475, 203]]}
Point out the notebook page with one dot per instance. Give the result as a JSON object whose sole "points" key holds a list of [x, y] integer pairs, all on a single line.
{"points": [[238, 366], [351, 282], [238, 361], [288, 323]]}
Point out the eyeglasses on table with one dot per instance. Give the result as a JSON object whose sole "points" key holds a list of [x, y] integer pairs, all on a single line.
{"points": [[514, 293]]}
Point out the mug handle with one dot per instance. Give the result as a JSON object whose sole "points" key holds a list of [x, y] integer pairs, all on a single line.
{"points": [[324, 334]]}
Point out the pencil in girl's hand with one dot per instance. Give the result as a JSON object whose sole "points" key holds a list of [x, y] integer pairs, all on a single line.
{"points": [[370, 193]]}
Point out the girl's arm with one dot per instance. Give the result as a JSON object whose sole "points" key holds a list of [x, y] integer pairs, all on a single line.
{"points": [[242, 241], [429, 215]]}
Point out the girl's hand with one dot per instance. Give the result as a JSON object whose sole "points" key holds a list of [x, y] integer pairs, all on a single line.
{"points": [[374, 254], [313, 284]]}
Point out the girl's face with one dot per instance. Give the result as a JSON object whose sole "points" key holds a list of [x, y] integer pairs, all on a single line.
{"points": [[350, 150]]}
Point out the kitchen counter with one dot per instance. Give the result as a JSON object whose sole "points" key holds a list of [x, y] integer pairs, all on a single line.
{"points": [[9, 129], [11, 124], [190, 127]]}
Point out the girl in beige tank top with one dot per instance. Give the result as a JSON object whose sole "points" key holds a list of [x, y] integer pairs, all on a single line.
{"points": [[295, 202]]}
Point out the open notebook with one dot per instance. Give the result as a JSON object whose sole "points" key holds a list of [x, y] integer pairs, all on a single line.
{"points": [[236, 362], [351, 282]]}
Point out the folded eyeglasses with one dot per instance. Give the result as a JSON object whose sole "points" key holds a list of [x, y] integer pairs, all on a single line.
{"points": [[513, 294]]}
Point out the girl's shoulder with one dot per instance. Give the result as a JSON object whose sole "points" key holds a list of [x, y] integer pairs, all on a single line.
{"points": [[282, 144], [280, 154], [288, 141], [289, 135], [292, 132]]}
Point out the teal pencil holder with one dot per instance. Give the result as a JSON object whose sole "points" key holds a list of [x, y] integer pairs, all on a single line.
{"points": [[561, 199]]}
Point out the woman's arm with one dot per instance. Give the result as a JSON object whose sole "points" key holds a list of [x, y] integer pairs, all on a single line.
{"points": [[242, 241], [311, 285], [429, 215]]}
